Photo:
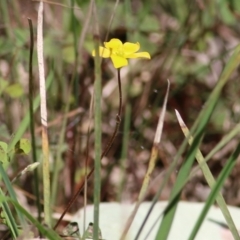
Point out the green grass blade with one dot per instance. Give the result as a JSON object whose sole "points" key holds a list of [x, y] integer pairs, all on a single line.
{"points": [[166, 178], [219, 183], [98, 139], [10, 221], [234, 132], [210, 179], [11, 192], [48, 233], [199, 126], [166, 223], [226, 139]]}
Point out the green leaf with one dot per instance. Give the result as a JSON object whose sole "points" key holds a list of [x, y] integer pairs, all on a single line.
{"points": [[23, 146], [4, 154], [225, 13], [236, 5], [14, 90], [68, 54]]}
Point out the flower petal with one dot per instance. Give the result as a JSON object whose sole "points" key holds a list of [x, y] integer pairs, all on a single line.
{"points": [[119, 61], [139, 55], [103, 52], [114, 43], [129, 48]]}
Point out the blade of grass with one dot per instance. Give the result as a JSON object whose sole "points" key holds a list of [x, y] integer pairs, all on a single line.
{"points": [[227, 138], [199, 127], [97, 129], [226, 73], [47, 232], [234, 132], [97, 142], [166, 178], [215, 190], [166, 223], [151, 166], [60, 143], [154, 152], [12, 195], [10, 221], [210, 179], [156, 197], [163, 184]]}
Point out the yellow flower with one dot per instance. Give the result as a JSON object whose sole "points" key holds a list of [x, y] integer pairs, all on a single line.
{"points": [[119, 52]]}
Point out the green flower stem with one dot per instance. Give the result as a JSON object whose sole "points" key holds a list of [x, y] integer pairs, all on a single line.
{"points": [[98, 139], [118, 117], [126, 128]]}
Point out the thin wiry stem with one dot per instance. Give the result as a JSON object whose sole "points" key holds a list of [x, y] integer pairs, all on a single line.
{"points": [[118, 117], [104, 153]]}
